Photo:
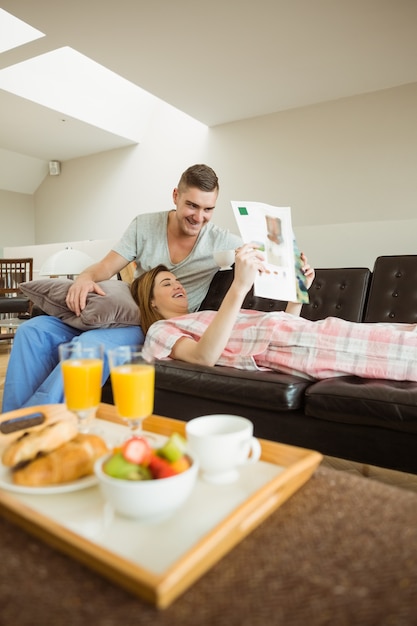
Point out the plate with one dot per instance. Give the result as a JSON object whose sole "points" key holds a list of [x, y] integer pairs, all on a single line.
{"points": [[7, 483]]}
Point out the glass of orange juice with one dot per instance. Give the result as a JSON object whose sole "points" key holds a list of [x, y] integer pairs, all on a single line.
{"points": [[82, 370], [133, 384]]}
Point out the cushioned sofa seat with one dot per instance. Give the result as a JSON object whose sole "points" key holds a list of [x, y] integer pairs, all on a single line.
{"points": [[354, 400], [370, 441], [260, 390]]}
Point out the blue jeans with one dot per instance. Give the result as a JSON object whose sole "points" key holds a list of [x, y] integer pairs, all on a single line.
{"points": [[34, 375]]}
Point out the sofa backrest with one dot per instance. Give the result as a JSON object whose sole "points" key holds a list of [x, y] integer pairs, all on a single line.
{"points": [[393, 292], [219, 286], [337, 292]]}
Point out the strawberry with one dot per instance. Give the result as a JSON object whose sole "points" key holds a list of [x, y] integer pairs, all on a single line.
{"points": [[137, 450], [160, 468]]}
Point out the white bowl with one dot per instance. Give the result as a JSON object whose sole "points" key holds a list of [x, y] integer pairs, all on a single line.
{"points": [[147, 499]]}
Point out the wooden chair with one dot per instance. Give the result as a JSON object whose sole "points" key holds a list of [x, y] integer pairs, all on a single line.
{"points": [[12, 302]]}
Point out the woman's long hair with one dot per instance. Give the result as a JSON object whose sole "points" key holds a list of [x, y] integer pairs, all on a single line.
{"points": [[142, 290]]}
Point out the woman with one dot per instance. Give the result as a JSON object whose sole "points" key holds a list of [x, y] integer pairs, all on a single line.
{"points": [[281, 341]]}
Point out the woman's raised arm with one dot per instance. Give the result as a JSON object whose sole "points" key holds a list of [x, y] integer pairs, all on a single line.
{"points": [[208, 349]]}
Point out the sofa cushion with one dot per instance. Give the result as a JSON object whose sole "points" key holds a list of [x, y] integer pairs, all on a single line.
{"points": [[116, 309], [392, 296], [352, 400], [261, 389], [338, 292], [218, 289]]}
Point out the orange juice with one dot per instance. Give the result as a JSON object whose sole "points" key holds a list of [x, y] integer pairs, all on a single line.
{"points": [[82, 383], [133, 388]]}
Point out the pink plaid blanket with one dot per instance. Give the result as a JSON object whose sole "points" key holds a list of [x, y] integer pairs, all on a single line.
{"points": [[285, 343]]}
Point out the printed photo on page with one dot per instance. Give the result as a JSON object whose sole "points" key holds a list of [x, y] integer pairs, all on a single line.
{"points": [[271, 228]]}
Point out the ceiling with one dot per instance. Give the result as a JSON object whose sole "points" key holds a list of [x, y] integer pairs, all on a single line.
{"points": [[218, 61]]}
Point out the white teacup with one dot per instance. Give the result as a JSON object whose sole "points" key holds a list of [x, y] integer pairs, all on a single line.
{"points": [[224, 258], [222, 443]]}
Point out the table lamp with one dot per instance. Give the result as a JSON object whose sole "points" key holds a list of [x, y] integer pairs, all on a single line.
{"points": [[68, 262]]}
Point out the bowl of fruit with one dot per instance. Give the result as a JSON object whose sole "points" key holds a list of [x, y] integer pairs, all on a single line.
{"points": [[147, 483]]}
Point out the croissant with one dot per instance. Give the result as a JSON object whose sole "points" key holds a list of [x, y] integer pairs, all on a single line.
{"points": [[30, 444], [69, 462]]}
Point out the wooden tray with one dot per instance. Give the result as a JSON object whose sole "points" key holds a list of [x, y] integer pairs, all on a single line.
{"points": [[158, 562]]}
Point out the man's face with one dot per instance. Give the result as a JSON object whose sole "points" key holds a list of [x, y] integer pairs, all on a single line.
{"points": [[194, 209]]}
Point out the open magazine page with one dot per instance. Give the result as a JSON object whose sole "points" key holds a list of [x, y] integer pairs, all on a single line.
{"points": [[271, 228]]}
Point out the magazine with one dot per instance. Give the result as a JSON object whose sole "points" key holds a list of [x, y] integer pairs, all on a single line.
{"points": [[271, 228]]}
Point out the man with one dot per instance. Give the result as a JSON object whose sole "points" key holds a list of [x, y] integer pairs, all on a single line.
{"points": [[183, 239]]}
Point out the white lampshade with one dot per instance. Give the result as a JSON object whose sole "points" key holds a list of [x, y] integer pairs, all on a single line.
{"points": [[68, 262]]}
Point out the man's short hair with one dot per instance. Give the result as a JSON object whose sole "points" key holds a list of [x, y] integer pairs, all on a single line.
{"points": [[201, 176]]}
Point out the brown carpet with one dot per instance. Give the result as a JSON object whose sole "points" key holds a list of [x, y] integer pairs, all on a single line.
{"points": [[341, 551]]}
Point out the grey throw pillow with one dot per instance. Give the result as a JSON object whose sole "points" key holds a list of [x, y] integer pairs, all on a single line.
{"points": [[116, 309]]}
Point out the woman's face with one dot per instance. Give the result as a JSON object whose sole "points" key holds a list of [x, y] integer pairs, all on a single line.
{"points": [[169, 296]]}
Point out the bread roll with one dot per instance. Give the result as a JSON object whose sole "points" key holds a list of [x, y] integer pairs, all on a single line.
{"points": [[69, 462], [30, 444]]}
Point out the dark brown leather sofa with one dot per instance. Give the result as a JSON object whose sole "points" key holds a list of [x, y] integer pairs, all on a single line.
{"points": [[369, 421]]}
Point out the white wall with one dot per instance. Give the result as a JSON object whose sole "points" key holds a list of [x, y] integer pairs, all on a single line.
{"points": [[347, 169], [96, 197], [357, 243], [17, 219]]}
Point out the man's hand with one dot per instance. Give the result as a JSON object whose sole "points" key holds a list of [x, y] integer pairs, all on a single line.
{"points": [[308, 271], [77, 294], [294, 308], [87, 281]]}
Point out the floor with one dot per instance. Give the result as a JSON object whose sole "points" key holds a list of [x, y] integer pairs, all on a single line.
{"points": [[400, 479]]}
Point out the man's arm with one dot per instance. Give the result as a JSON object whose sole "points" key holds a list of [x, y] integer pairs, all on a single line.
{"points": [[87, 281]]}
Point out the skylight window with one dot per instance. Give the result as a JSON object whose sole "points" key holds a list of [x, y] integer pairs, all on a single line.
{"points": [[69, 82], [14, 32], [57, 104]]}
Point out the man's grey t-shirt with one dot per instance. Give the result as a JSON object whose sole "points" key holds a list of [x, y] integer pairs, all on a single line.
{"points": [[145, 241]]}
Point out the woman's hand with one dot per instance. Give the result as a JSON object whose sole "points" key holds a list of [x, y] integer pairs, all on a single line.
{"points": [[249, 260]]}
